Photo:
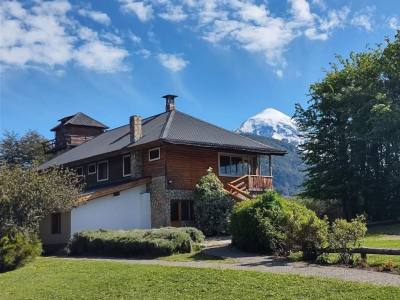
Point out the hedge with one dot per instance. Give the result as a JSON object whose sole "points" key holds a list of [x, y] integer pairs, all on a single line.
{"points": [[154, 242]]}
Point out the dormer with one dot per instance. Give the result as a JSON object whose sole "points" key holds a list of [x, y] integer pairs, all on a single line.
{"points": [[73, 131]]}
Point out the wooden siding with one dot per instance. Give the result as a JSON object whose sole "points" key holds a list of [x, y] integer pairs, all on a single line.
{"points": [[154, 168], [186, 165]]}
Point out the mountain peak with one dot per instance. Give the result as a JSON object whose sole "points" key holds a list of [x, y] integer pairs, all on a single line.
{"points": [[272, 123]]}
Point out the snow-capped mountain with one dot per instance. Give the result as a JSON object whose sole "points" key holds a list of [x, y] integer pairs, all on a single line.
{"points": [[272, 123]]}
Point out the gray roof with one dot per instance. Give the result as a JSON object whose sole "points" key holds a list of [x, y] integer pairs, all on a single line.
{"points": [[80, 119], [172, 127]]}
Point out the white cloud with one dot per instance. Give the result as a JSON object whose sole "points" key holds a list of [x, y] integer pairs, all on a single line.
{"points": [[394, 23], [174, 14], [172, 62], [279, 73], [143, 11], [96, 16], [363, 18], [301, 11], [100, 56], [44, 35]]}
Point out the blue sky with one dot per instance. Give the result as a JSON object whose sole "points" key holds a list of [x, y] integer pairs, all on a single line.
{"points": [[226, 60]]}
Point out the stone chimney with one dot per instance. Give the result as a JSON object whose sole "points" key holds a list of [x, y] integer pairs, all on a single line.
{"points": [[169, 102], [135, 126]]}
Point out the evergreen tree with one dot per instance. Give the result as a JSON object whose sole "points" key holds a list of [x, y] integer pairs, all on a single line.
{"points": [[352, 133]]}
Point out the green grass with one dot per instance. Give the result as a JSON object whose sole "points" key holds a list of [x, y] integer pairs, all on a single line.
{"points": [[385, 236], [198, 256], [52, 278]]}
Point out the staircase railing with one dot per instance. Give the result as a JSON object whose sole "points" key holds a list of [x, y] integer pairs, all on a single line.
{"points": [[246, 186]]}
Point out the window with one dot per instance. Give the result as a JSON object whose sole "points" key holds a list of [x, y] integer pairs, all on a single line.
{"points": [[234, 165], [181, 210], [154, 154], [126, 165], [56, 223], [92, 169], [102, 171], [79, 171]]}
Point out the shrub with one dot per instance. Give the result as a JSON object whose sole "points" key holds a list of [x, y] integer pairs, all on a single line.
{"points": [[304, 229], [255, 224], [344, 236], [16, 249], [195, 234], [154, 242], [212, 206], [272, 224]]}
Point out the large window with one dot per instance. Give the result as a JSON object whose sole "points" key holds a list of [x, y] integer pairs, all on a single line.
{"points": [[126, 165], [56, 223], [233, 165], [102, 170]]}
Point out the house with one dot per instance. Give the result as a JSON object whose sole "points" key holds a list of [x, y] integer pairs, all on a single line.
{"points": [[143, 174]]}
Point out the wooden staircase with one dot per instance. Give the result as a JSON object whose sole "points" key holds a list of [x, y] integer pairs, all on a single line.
{"points": [[248, 186]]}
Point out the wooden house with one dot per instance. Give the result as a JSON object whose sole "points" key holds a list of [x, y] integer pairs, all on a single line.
{"points": [[143, 174]]}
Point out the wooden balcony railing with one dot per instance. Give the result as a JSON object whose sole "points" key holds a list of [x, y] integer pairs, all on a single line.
{"points": [[246, 186], [54, 145]]}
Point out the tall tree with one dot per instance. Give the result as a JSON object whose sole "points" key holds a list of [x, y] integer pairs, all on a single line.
{"points": [[352, 133], [24, 151]]}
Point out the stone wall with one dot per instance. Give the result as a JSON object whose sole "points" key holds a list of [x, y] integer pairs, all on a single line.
{"points": [[160, 205], [161, 198]]}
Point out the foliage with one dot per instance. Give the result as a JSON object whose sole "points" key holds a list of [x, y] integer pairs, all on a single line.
{"points": [[330, 208], [256, 225], [352, 134], [94, 279], [196, 235], [154, 242], [17, 248], [23, 151], [212, 206], [344, 236], [304, 229], [275, 225], [288, 169], [27, 196]]}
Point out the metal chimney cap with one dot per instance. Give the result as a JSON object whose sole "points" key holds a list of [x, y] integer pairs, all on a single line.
{"points": [[169, 96]]}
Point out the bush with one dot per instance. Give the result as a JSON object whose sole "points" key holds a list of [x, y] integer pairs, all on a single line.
{"points": [[212, 206], [344, 236], [154, 242], [256, 224], [271, 224], [16, 249]]}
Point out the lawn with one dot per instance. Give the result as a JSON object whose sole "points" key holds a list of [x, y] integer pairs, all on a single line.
{"points": [[197, 256], [385, 236], [54, 278]]}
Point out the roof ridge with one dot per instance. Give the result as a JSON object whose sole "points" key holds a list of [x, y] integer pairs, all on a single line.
{"points": [[167, 125], [232, 132]]}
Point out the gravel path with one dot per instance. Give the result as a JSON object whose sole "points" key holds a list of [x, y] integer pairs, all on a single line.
{"points": [[253, 262]]}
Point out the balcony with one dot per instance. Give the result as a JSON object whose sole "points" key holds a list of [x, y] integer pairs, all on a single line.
{"points": [[69, 141], [247, 186]]}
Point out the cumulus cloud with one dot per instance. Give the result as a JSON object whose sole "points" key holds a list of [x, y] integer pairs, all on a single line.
{"points": [[173, 13], [142, 10], [96, 16], [172, 62], [45, 35], [363, 19]]}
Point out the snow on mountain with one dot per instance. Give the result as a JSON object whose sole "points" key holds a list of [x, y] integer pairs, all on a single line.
{"points": [[272, 123]]}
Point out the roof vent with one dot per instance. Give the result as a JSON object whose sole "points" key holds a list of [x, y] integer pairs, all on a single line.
{"points": [[169, 102]]}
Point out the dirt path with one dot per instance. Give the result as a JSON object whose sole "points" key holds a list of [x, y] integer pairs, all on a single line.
{"points": [[252, 262]]}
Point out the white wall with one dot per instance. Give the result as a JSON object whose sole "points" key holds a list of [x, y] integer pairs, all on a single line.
{"points": [[130, 210], [49, 238]]}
